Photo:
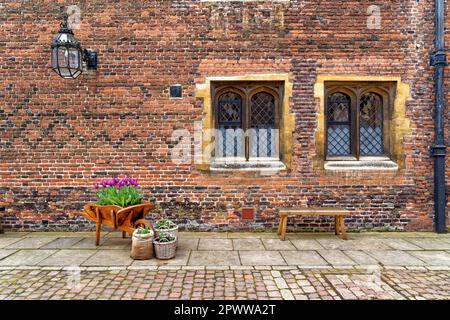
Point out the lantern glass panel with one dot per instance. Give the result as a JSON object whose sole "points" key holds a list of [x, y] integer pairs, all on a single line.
{"points": [[63, 56], [74, 58]]}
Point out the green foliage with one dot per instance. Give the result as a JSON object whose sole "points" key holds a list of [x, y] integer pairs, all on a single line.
{"points": [[164, 224], [144, 230], [124, 196], [163, 237]]}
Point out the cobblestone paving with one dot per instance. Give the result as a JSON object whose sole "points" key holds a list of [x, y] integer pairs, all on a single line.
{"points": [[303, 284]]}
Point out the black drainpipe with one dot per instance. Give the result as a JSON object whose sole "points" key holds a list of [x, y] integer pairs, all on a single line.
{"points": [[439, 60]]}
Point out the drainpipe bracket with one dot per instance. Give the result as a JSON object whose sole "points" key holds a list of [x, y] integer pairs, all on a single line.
{"points": [[438, 58], [438, 151]]}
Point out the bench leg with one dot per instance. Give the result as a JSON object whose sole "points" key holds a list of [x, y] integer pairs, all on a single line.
{"points": [[283, 229], [336, 225], [124, 234], [280, 225], [344, 235]]}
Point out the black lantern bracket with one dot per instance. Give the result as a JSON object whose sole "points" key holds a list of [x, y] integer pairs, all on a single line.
{"points": [[90, 57]]}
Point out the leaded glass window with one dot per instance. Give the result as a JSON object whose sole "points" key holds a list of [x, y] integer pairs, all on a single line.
{"points": [[230, 142], [246, 117], [371, 124], [262, 133], [355, 115], [339, 125]]}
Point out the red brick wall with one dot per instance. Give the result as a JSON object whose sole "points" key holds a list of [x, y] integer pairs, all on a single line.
{"points": [[58, 137]]}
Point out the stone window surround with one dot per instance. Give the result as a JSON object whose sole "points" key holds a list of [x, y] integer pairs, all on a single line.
{"points": [[286, 123], [399, 127]]}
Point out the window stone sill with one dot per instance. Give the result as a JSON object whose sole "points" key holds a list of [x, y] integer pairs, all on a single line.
{"points": [[238, 164], [361, 165]]}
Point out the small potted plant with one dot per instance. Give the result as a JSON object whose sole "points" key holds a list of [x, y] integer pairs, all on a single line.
{"points": [[165, 246], [166, 226], [142, 243]]}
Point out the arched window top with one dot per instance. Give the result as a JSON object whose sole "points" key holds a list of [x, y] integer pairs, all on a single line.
{"points": [[339, 104], [371, 109], [262, 109], [230, 108]]}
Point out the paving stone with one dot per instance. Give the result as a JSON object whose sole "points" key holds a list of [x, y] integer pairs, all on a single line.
{"points": [[361, 257], [114, 234], [181, 259], [303, 258], [252, 235], [352, 244], [203, 235], [188, 244], [286, 294], [58, 234], [62, 243], [5, 252], [31, 243], [336, 243], [306, 244], [395, 258], [242, 268], [277, 244], [366, 244], [67, 257], [248, 244], [214, 258], [433, 258], [110, 258], [6, 241], [215, 244], [400, 244], [26, 257], [336, 258], [115, 243], [86, 243], [261, 258], [431, 244]]}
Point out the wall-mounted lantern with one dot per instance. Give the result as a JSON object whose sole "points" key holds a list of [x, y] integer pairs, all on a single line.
{"points": [[67, 54]]}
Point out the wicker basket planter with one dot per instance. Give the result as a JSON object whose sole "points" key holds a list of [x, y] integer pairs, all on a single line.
{"points": [[165, 250], [142, 246]]}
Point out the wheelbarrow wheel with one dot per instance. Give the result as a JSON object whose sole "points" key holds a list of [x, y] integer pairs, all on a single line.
{"points": [[143, 223]]}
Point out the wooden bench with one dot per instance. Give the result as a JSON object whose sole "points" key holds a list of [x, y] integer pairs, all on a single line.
{"points": [[338, 213]]}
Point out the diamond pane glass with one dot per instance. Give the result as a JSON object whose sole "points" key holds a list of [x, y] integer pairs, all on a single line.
{"points": [[371, 124], [262, 133], [338, 125], [230, 136], [230, 108], [230, 142], [338, 140]]}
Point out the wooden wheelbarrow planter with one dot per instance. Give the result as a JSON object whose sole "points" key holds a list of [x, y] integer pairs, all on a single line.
{"points": [[118, 218]]}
